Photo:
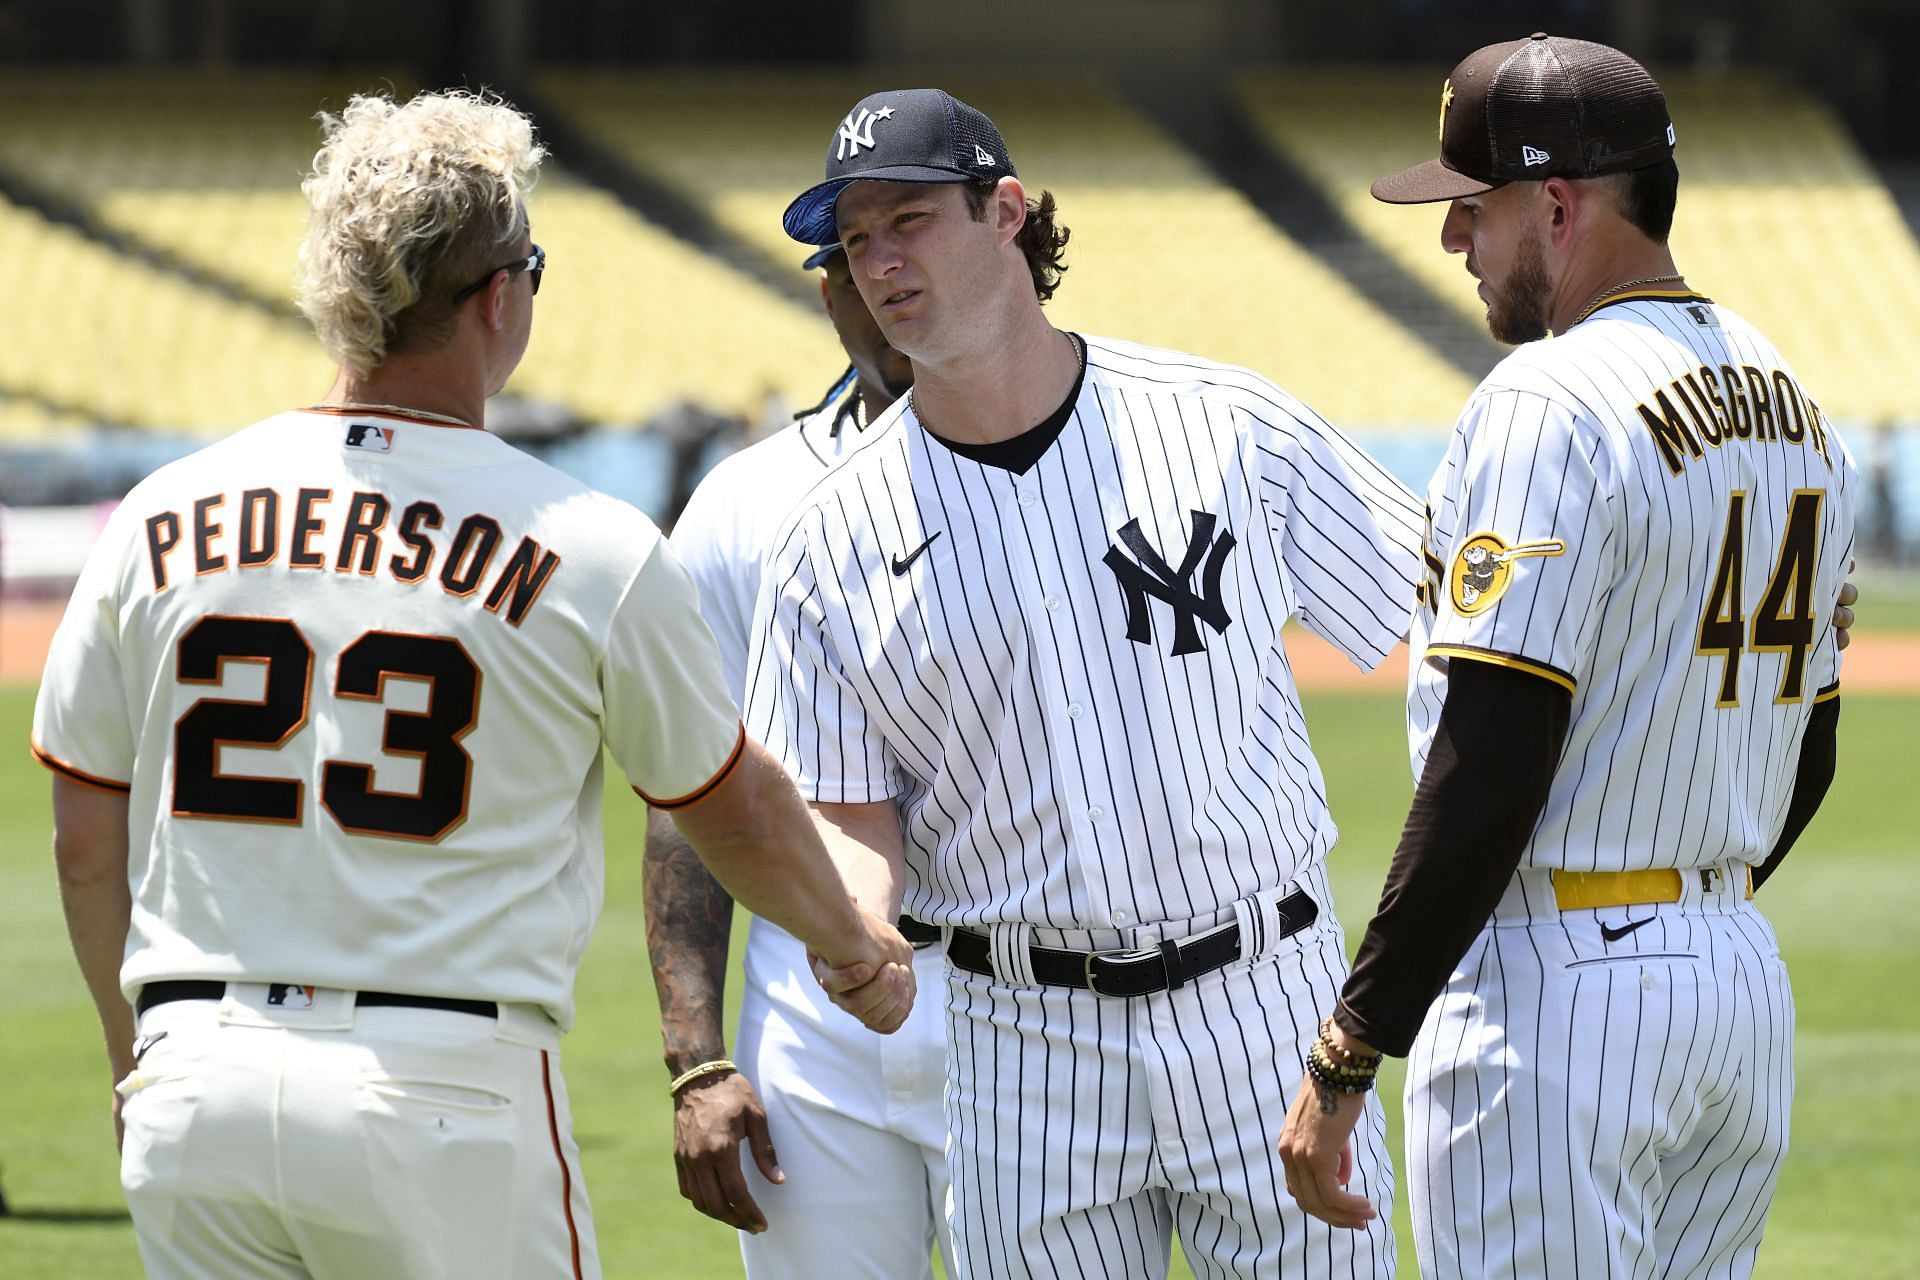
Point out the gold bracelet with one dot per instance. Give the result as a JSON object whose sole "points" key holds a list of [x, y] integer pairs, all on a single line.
{"points": [[688, 1076]]}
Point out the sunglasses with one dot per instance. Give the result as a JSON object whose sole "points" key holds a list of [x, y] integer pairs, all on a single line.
{"points": [[535, 262]]}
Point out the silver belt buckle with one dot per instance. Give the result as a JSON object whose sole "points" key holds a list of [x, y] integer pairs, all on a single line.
{"points": [[1120, 955]]}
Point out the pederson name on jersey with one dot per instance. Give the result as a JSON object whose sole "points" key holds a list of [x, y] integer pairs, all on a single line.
{"points": [[262, 529]]}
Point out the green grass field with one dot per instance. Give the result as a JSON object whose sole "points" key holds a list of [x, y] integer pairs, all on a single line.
{"points": [[1841, 908]]}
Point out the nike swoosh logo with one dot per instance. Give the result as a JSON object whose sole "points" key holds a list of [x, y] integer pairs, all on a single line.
{"points": [[900, 566], [1613, 934]]}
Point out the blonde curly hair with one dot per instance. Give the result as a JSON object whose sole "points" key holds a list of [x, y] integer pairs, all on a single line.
{"points": [[408, 203]]}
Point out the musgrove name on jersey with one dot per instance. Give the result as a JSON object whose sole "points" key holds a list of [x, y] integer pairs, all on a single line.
{"points": [[252, 534], [1747, 403]]}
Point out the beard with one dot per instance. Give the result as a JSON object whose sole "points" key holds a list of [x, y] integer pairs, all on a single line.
{"points": [[1518, 311]]}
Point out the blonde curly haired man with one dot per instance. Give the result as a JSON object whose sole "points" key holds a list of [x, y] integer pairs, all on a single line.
{"points": [[326, 717]]}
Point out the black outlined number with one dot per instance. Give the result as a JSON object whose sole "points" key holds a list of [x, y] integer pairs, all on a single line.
{"points": [[202, 790], [433, 737]]}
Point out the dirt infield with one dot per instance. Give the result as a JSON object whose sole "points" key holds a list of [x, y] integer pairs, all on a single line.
{"points": [[1888, 662]]}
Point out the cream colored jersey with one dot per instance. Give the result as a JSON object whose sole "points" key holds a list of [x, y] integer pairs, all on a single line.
{"points": [[1651, 511], [355, 674]]}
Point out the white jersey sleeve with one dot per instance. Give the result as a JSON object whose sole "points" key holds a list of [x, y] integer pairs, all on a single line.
{"points": [[800, 700], [82, 726], [669, 722], [1529, 546], [711, 540], [1350, 536]]}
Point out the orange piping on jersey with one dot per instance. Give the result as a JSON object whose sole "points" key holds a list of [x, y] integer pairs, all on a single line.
{"points": [[681, 802], [1642, 295], [61, 767], [1498, 659], [329, 411], [566, 1174]]}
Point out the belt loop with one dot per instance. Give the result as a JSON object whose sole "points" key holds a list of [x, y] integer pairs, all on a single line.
{"points": [[1259, 920], [1009, 951]]}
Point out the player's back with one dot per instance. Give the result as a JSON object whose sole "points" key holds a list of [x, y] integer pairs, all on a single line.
{"points": [[1699, 629], [363, 661]]}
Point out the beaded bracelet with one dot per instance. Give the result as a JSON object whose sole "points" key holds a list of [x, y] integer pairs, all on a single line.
{"points": [[1349, 1073], [687, 1077]]}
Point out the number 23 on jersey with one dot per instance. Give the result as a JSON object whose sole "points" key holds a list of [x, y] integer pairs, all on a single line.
{"points": [[436, 807]]}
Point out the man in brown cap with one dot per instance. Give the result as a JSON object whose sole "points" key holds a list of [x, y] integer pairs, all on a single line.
{"points": [[1623, 713]]}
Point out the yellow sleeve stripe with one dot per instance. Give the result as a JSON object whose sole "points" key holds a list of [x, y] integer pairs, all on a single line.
{"points": [[1498, 659], [1830, 692]]}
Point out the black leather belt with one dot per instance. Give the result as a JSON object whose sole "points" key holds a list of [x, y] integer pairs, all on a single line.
{"points": [[158, 993], [918, 933], [1136, 971]]}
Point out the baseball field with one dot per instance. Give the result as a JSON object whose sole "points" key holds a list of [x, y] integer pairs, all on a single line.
{"points": [[1844, 907]]}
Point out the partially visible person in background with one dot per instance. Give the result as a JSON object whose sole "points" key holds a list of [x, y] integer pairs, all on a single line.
{"points": [[326, 715], [859, 1188]]}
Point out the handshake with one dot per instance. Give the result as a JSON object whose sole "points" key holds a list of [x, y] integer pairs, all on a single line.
{"points": [[871, 975]]}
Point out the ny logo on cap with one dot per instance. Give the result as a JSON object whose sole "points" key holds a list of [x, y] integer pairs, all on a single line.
{"points": [[1531, 156], [856, 131]]}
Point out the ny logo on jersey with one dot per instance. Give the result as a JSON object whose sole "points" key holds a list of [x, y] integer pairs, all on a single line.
{"points": [[1152, 576], [856, 131]]}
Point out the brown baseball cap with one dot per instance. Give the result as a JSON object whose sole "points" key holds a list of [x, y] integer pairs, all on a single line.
{"points": [[1538, 108]]}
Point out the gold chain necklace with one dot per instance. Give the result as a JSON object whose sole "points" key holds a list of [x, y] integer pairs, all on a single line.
{"points": [[400, 409], [1604, 294]]}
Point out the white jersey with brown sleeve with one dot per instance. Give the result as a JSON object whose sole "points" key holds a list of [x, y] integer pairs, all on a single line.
{"points": [[355, 673], [1651, 511]]}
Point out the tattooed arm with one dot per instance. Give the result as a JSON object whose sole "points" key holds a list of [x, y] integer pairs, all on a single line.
{"points": [[689, 923]]}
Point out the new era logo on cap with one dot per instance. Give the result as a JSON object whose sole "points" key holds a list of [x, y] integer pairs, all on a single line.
{"points": [[980, 155], [1531, 156]]}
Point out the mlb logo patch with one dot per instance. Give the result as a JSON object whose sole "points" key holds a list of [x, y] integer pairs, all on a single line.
{"points": [[283, 995], [369, 437]]}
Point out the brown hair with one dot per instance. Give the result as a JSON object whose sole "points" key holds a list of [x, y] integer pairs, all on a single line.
{"points": [[1041, 238]]}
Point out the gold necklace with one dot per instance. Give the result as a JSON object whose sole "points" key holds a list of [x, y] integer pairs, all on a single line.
{"points": [[1604, 294], [402, 410]]}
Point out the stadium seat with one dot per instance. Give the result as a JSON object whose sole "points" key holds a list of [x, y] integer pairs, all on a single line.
{"points": [[1162, 252], [1780, 216]]}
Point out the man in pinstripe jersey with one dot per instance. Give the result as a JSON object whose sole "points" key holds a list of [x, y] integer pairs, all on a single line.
{"points": [[1022, 651], [1622, 713]]}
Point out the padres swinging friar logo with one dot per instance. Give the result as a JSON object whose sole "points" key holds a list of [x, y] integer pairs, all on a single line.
{"points": [[1484, 568]]}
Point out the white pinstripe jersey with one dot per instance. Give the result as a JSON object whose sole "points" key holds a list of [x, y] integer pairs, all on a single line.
{"points": [[1650, 510], [1072, 679], [355, 674]]}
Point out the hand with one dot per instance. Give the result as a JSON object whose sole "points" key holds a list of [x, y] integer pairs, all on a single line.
{"points": [[872, 979], [1316, 1146], [1843, 612], [709, 1118]]}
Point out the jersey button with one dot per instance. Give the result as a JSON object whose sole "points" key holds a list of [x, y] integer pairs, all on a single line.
{"points": [[1073, 711], [1053, 602], [1026, 497], [1123, 917], [1096, 813]]}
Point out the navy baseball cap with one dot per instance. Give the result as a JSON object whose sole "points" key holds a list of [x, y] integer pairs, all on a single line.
{"points": [[821, 256], [901, 135]]}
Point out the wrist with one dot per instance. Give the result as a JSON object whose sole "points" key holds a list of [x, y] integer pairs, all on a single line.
{"points": [[686, 1059], [1345, 1041]]}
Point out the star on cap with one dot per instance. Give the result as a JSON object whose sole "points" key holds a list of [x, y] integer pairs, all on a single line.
{"points": [[883, 113]]}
